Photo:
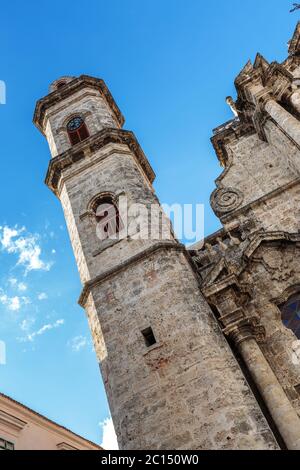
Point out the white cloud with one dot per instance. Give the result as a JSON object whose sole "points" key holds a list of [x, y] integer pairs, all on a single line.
{"points": [[27, 324], [109, 439], [22, 287], [25, 246], [42, 296], [13, 303], [50, 326], [78, 343]]}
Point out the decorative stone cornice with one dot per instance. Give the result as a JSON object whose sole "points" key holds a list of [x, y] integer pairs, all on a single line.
{"points": [[164, 245], [65, 446], [91, 145], [262, 237], [84, 81], [11, 421], [216, 286], [230, 297], [244, 329], [227, 134], [226, 218], [294, 44], [277, 79], [213, 284]]}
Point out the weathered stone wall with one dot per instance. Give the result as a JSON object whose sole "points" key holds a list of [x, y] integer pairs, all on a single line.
{"points": [[114, 170], [187, 392], [273, 270], [181, 382], [88, 104], [251, 266], [256, 169]]}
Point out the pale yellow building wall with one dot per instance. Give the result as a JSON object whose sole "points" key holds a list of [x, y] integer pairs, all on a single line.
{"points": [[28, 430]]}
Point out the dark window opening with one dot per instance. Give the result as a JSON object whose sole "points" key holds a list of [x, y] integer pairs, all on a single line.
{"points": [[149, 337], [109, 223], [290, 314], [297, 388], [60, 84], [77, 130], [6, 445]]}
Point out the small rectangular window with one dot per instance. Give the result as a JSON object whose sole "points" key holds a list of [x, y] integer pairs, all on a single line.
{"points": [[297, 388], [149, 337], [6, 445]]}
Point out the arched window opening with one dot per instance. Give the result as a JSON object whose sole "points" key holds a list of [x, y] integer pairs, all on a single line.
{"points": [[77, 130], [290, 314], [60, 84], [109, 223]]}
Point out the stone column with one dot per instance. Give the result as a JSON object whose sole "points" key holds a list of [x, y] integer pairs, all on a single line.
{"points": [[284, 119], [295, 100], [279, 406], [246, 332]]}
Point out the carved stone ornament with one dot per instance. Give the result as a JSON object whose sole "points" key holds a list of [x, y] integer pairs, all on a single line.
{"points": [[226, 200]]}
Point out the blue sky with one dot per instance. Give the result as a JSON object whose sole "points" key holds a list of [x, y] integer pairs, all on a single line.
{"points": [[169, 64]]}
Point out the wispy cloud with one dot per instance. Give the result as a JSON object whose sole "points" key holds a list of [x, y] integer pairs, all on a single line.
{"points": [[13, 303], [27, 324], [25, 246], [78, 342], [42, 296], [50, 326], [109, 439], [21, 286]]}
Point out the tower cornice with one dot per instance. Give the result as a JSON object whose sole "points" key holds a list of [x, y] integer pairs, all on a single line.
{"points": [[161, 245], [91, 145], [69, 89]]}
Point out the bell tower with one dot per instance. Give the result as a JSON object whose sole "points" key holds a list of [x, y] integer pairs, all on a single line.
{"points": [[171, 379]]}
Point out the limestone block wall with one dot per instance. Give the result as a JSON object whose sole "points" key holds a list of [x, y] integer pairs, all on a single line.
{"points": [[257, 168], [185, 392], [112, 169], [266, 176]]}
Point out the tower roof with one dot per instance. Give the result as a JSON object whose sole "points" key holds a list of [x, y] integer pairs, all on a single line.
{"points": [[294, 43], [72, 86]]}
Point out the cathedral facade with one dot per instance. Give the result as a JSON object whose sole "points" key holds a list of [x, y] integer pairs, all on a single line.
{"points": [[198, 349]]}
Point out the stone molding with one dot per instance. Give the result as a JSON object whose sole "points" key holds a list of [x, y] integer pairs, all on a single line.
{"points": [[68, 90], [11, 421], [165, 245], [91, 145], [235, 323], [225, 218]]}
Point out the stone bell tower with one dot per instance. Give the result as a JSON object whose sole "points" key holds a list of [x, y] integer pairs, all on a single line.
{"points": [[171, 379]]}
